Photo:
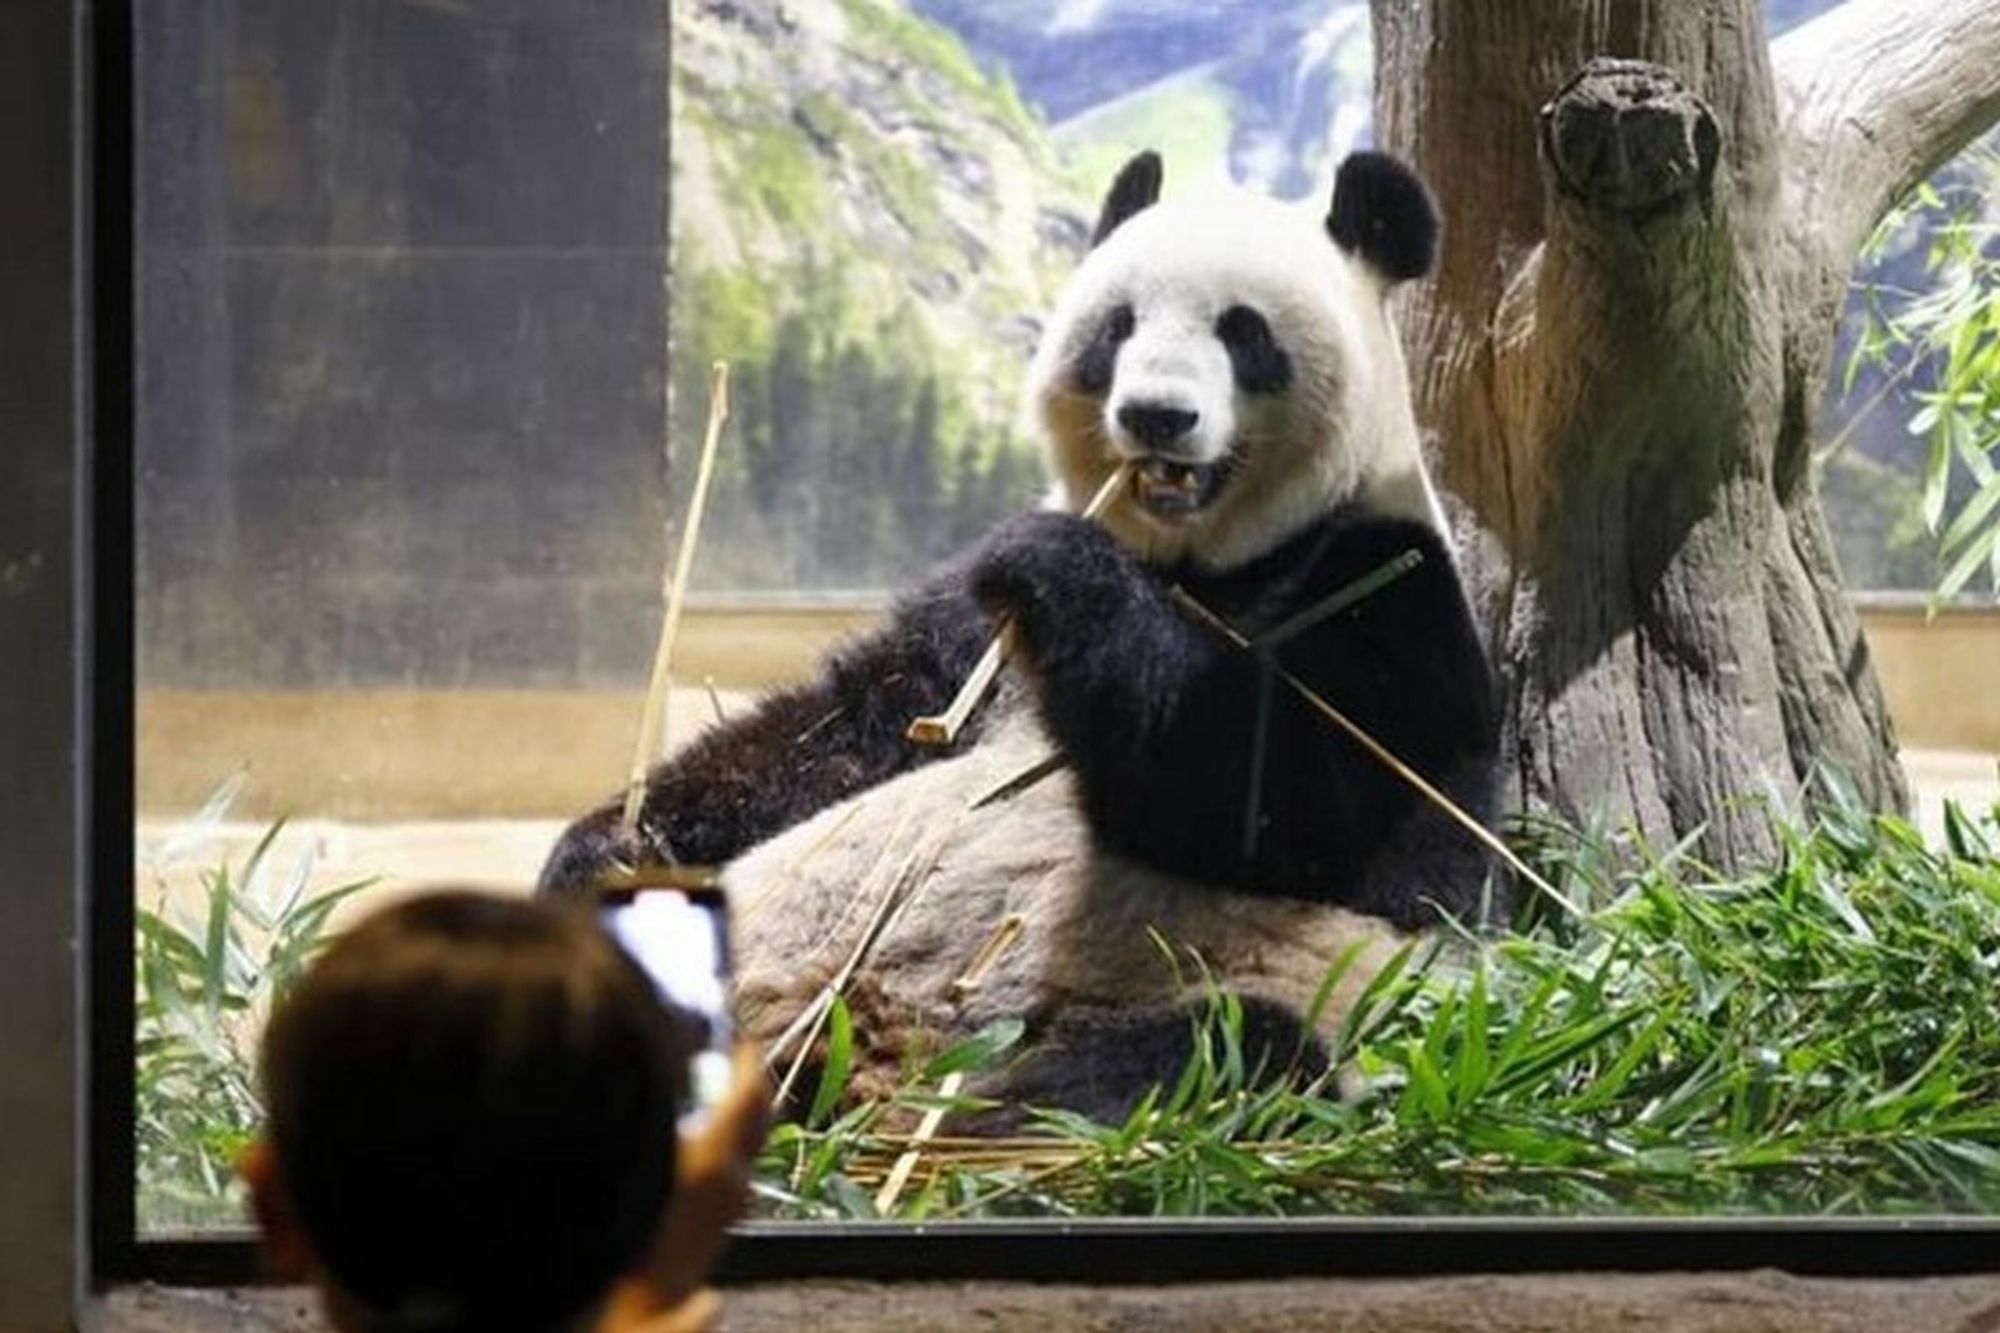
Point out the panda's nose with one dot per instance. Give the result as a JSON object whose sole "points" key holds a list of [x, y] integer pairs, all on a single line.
{"points": [[1154, 425]]}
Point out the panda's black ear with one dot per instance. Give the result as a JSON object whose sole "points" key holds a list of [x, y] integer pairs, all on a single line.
{"points": [[1136, 188], [1383, 214]]}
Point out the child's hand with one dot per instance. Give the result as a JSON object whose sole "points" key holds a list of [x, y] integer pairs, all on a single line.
{"points": [[699, 1313], [712, 1184]]}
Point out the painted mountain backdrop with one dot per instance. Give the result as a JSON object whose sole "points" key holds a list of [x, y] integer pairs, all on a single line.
{"points": [[874, 200]]}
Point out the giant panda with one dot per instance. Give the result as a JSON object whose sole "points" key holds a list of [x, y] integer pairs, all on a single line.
{"points": [[1238, 355]]}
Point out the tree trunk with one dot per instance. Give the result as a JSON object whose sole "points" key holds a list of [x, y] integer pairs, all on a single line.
{"points": [[1648, 232]]}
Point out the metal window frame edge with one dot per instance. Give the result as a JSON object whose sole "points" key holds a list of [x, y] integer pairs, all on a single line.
{"points": [[104, 653]]}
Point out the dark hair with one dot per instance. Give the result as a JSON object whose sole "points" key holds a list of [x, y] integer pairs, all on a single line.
{"points": [[472, 1101]]}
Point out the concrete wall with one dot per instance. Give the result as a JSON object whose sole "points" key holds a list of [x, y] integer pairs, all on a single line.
{"points": [[498, 753], [40, 1034], [455, 753], [403, 327], [1941, 672]]}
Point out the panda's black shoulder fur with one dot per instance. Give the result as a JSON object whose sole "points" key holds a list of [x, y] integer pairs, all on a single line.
{"points": [[1194, 758], [800, 750]]}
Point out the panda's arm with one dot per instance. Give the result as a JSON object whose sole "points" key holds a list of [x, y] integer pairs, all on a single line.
{"points": [[1112, 657], [799, 751]]}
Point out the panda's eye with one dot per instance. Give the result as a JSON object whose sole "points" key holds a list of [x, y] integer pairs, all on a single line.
{"points": [[1094, 365], [1241, 324], [1260, 365]]}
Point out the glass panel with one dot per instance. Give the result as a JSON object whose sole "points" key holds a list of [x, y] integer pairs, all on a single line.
{"points": [[406, 402]]}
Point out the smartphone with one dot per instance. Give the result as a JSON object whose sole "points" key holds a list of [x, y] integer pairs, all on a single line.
{"points": [[674, 922]]}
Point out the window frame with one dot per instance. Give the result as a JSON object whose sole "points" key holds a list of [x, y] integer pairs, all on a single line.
{"points": [[1111, 1250], [43, 409]]}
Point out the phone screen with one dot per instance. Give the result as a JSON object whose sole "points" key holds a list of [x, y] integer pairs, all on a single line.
{"points": [[680, 937]]}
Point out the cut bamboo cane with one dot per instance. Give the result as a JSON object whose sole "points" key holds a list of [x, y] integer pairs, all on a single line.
{"points": [[1051, 763], [943, 728], [899, 1175], [908, 879], [927, 1128], [653, 722], [998, 943]]}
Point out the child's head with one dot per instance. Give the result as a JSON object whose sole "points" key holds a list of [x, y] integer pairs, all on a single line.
{"points": [[471, 1109]]}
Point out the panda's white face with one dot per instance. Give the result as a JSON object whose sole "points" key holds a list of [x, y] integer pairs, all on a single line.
{"points": [[1243, 363]]}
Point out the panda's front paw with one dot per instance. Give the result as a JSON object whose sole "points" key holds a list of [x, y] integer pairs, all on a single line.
{"points": [[591, 849], [1048, 570]]}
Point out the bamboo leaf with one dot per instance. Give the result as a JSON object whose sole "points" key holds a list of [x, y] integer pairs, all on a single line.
{"points": [[976, 1051], [1978, 510], [202, 827], [1976, 553], [1473, 1055], [839, 1056], [1937, 479], [215, 942]]}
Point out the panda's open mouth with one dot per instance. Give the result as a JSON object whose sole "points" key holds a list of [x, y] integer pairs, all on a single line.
{"points": [[1170, 490]]}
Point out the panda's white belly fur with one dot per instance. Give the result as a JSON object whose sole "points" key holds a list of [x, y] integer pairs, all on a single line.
{"points": [[803, 900]]}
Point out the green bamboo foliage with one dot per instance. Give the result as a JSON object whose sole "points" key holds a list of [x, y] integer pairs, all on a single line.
{"points": [[1943, 339], [1817, 1037], [206, 979]]}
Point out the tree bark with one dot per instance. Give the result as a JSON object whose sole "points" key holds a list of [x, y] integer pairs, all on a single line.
{"points": [[1647, 236]]}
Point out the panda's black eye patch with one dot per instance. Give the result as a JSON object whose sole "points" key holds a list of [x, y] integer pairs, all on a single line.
{"points": [[1261, 366], [1092, 371]]}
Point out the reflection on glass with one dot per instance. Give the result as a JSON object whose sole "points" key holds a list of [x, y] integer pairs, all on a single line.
{"points": [[400, 479]]}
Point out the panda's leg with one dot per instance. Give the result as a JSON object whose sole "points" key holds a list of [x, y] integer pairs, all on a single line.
{"points": [[797, 752], [1099, 1062], [1431, 868]]}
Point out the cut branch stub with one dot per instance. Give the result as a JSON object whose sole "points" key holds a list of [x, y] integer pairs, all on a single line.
{"points": [[1630, 137]]}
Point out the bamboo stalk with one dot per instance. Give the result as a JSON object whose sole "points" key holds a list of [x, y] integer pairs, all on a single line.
{"points": [[943, 728], [1318, 704], [653, 721], [1049, 764], [1028, 1181], [903, 885], [899, 1175], [998, 943], [876, 886]]}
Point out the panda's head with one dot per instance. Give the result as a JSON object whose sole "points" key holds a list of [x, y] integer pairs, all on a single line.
{"points": [[1238, 351]]}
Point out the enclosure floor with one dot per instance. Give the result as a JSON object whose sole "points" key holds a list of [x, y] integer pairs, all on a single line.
{"points": [[1936, 776], [1612, 1303]]}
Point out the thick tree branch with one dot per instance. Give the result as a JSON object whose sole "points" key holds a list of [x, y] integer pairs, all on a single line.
{"points": [[1875, 95], [1639, 277], [1618, 357], [1628, 137]]}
